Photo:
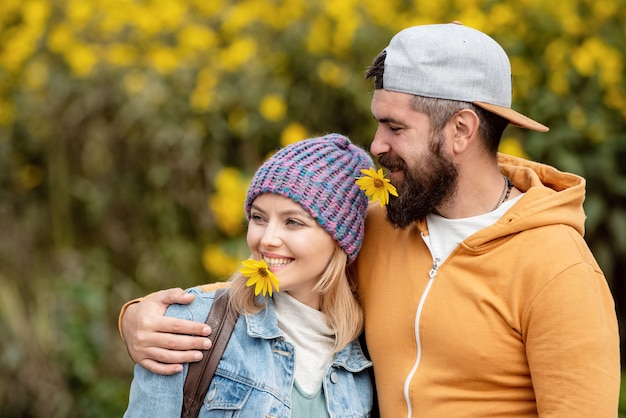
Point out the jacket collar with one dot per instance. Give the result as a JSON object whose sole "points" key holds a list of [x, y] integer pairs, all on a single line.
{"points": [[351, 358], [264, 324]]}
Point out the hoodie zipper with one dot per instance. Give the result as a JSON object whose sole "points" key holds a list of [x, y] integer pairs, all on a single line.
{"points": [[432, 274]]}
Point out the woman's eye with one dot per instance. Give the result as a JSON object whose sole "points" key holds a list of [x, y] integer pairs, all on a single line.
{"points": [[294, 222], [256, 218]]}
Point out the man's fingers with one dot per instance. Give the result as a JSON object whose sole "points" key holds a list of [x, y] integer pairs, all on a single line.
{"points": [[162, 361], [167, 347], [183, 326], [174, 295], [179, 342], [160, 368]]}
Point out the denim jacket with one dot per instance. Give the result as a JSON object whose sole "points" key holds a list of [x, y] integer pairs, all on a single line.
{"points": [[255, 376]]}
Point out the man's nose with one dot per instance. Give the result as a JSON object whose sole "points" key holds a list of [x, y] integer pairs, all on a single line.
{"points": [[379, 144]]}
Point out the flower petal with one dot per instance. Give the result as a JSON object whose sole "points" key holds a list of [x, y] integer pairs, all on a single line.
{"points": [[376, 186], [260, 276]]}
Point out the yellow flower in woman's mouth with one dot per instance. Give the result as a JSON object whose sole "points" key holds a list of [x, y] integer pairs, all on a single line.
{"points": [[260, 276]]}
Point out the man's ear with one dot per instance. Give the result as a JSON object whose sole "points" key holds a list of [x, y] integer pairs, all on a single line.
{"points": [[466, 124]]}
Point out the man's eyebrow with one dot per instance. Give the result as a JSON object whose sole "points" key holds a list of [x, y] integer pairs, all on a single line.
{"points": [[387, 120]]}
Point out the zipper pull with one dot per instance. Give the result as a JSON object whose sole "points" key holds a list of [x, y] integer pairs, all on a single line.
{"points": [[433, 271]]}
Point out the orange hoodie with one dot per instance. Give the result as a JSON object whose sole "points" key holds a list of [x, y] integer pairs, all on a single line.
{"points": [[517, 322]]}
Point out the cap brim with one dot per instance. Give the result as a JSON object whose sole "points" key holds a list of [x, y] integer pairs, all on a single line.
{"points": [[514, 117]]}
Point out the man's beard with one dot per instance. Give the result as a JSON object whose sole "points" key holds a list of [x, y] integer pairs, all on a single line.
{"points": [[423, 188]]}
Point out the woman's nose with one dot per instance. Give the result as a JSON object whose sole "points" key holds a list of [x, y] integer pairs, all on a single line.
{"points": [[271, 236]]}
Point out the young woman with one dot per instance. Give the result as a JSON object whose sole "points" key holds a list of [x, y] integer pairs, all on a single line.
{"points": [[294, 351]]}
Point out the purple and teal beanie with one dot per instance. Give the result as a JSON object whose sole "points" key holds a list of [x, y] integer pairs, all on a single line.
{"points": [[319, 174]]}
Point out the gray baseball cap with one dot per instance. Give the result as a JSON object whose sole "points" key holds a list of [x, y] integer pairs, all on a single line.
{"points": [[454, 62]]}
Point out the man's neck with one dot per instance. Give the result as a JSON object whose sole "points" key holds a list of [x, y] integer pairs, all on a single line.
{"points": [[477, 193]]}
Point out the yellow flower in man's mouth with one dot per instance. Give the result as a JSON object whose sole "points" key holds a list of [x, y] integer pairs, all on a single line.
{"points": [[376, 186], [260, 276]]}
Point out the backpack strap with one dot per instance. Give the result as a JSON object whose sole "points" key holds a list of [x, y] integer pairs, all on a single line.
{"points": [[222, 321]]}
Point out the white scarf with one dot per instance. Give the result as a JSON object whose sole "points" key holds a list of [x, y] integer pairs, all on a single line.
{"points": [[308, 330]]}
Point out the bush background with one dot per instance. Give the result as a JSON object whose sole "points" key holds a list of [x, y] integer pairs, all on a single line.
{"points": [[130, 128]]}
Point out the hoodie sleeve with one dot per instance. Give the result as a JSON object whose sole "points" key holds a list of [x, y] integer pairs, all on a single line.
{"points": [[572, 344]]}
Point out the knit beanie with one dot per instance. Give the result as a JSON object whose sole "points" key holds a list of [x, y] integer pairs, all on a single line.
{"points": [[319, 174]]}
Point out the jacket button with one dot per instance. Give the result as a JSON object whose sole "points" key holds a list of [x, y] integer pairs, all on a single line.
{"points": [[211, 394], [334, 377]]}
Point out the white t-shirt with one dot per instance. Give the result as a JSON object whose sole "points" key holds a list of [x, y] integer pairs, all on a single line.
{"points": [[445, 234]]}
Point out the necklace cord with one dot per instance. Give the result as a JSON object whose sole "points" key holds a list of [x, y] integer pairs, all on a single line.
{"points": [[506, 192]]}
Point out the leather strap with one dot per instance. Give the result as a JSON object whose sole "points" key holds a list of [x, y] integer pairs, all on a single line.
{"points": [[222, 321]]}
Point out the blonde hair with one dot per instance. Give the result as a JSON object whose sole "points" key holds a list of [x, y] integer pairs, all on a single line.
{"points": [[337, 299]]}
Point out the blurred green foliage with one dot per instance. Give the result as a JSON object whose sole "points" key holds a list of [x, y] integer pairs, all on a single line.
{"points": [[129, 130]]}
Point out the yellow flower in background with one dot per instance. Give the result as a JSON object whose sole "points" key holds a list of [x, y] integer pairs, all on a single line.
{"points": [[217, 262], [585, 57], [227, 202], [604, 9], [81, 59], [342, 37], [18, 47], [376, 186], [243, 15], [143, 21], [473, 16], [616, 100], [294, 132], [502, 16], [171, 14], [163, 59], [197, 38], [260, 276], [79, 12], [273, 107], [594, 56], [285, 13], [577, 118], [511, 146], [19, 43], [208, 8], [121, 55], [318, 40], [60, 38], [238, 53], [332, 74], [558, 83], [202, 96]]}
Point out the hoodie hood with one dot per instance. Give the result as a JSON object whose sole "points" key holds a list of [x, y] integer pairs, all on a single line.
{"points": [[551, 197]]}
